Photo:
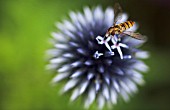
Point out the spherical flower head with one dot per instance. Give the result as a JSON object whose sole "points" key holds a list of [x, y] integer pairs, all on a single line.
{"points": [[98, 70]]}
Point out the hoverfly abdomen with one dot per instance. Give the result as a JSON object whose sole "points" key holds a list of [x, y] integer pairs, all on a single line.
{"points": [[130, 23], [126, 25]]}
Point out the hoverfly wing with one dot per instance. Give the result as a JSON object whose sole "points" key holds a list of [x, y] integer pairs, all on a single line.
{"points": [[135, 35], [117, 12]]}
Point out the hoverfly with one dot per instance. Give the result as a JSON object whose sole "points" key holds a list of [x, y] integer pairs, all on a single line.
{"points": [[120, 29], [115, 32]]}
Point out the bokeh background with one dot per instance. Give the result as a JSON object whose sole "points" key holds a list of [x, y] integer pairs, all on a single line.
{"points": [[25, 27]]}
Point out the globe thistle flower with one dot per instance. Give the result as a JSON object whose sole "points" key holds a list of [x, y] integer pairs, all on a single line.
{"points": [[101, 71]]}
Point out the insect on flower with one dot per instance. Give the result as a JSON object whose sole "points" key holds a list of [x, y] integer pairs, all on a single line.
{"points": [[120, 29], [117, 31]]}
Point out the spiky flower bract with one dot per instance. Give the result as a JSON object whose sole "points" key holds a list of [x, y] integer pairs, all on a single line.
{"points": [[87, 67]]}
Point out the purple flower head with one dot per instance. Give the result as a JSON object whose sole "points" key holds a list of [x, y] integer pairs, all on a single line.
{"points": [[100, 71]]}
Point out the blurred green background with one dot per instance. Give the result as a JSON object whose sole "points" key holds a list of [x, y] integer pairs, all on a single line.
{"points": [[25, 27]]}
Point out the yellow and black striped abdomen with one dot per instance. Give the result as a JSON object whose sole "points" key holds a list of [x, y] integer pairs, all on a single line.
{"points": [[126, 25], [119, 28]]}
